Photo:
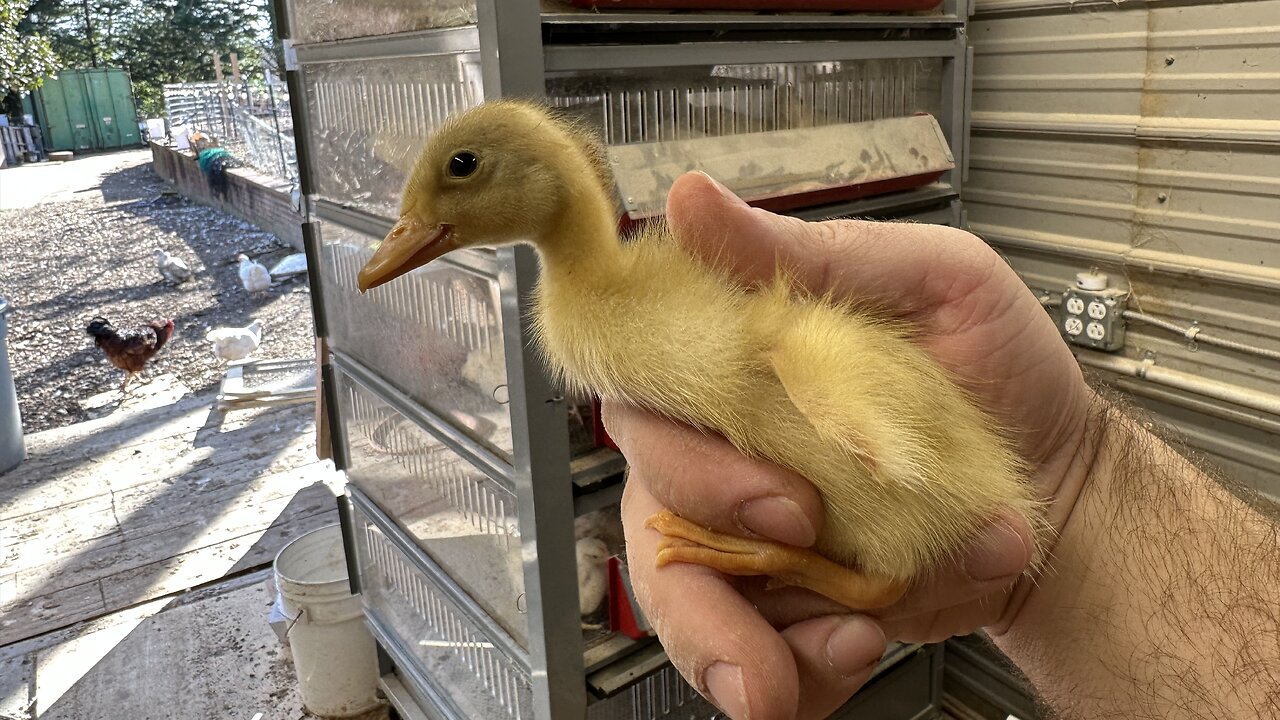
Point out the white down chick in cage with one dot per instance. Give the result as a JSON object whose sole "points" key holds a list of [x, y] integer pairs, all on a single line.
{"points": [[593, 575], [593, 532]]}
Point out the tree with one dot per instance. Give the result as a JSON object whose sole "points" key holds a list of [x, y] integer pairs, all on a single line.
{"points": [[25, 58], [175, 41], [156, 41]]}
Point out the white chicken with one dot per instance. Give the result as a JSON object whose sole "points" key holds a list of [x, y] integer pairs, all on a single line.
{"points": [[253, 275], [173, 269], [231, 344], [593, 574]]}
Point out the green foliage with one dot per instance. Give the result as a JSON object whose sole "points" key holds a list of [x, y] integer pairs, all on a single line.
{"points": [[25, 56], [156, 41], [199, 30]]}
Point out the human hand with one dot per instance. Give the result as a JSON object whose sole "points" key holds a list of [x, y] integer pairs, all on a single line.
{"points": [[788, 653]]}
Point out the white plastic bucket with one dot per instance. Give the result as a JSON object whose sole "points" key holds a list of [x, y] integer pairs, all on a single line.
{"points": [[333, 652]]}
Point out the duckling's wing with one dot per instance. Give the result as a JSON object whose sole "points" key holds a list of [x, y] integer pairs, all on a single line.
{"points": [[812, 397], [854, 378]]}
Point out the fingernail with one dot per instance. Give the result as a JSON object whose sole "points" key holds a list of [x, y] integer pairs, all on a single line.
{"points": [[724, 683], [777, 518], [725, 192], [999, 553], [855, 645]]}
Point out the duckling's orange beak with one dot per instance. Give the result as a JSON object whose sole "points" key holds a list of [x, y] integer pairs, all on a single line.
{"points": [[410, 244]]}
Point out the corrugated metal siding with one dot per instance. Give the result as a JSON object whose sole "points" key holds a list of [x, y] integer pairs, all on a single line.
{"points": [[1144, 139]]}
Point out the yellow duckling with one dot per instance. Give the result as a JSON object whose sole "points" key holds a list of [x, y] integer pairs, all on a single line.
{"points": [[908, 468]]}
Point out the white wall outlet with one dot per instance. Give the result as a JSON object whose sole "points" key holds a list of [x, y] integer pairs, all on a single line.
{"points": [[1092, 314]]}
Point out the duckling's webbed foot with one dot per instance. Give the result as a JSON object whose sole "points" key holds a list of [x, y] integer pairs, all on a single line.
{"points": [[785, 564]]}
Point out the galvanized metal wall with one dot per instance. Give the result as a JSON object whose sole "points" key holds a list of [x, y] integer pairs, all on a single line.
{"points": [[1143, 138]]}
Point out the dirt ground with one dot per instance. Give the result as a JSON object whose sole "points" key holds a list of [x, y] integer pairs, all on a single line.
{"points": [[83, 247]]}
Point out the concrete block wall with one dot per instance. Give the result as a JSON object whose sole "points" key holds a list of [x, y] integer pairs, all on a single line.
{"points": [[260, 199]]}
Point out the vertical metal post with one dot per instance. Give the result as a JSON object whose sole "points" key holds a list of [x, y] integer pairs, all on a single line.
{"points": [[275, 119], [222, 97], [968, 111], [955, 105], [512, 65]]}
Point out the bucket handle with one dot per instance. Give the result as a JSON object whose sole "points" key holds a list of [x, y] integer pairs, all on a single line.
{"points": [[294, 621]]}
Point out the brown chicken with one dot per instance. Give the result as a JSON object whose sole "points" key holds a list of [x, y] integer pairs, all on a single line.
{"points": [[129, 350]]}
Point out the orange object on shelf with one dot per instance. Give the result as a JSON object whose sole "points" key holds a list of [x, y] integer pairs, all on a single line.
{"points": [[625, 615]]}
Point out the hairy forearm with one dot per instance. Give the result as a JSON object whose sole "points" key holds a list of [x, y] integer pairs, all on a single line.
{"points": [[1162, 599]]}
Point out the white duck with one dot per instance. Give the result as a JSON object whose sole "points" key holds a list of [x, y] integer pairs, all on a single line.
{"points": [[253, 275], [231, 344], [173, 269]]}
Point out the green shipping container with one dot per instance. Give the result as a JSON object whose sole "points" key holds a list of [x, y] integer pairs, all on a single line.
{"points": [[90, 109]]}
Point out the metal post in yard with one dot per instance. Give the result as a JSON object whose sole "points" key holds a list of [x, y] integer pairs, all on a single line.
{"points": [[12, 447], [235, 78], [275, 118], [222, 96]]}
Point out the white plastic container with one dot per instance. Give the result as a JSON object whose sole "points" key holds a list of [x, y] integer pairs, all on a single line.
{"points": [[333, 652]]}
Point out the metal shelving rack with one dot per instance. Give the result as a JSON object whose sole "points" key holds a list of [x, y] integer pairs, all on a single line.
{"points": [[479, 619]]}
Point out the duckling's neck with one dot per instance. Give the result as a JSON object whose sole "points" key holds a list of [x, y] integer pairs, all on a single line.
{"points": [[582, 246]]}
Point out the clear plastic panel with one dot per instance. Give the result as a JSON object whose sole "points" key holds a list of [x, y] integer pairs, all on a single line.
{"points": [[598, 536], [463, 519], [370, 118], [663, 695], [434, 333], [319, 20], [448, 647], [677, 103]]}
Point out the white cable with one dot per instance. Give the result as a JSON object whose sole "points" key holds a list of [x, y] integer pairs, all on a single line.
{"points": [[1193, 334]]}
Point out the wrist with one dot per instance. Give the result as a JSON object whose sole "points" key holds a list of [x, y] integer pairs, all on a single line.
{"points": [[1160, 578], [1078, 469]]}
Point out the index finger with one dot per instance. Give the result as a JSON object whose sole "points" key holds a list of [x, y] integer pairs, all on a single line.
{"points": [[706, 480]]}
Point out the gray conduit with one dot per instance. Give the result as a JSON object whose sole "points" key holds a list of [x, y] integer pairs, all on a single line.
{"points": [[1149, 371], [1192, 334]]}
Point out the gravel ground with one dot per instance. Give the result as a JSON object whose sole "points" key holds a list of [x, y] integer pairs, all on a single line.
{"points": [[61, 263]]}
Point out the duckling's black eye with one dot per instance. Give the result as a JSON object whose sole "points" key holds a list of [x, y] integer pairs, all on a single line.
{"points": [[463, 164]]}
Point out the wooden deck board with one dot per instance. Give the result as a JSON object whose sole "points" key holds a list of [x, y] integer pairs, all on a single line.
{"points": [[150, 508], [45, 483], [149, 501], [194, 529]]}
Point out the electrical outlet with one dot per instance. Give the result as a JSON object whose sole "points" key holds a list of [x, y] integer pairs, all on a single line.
{"points": [[1093, 314]]}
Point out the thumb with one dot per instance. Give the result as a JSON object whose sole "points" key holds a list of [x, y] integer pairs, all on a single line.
{"points": [[884, 262]]}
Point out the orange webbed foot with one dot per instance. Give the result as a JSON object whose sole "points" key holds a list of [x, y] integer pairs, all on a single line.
{"points": [[686, 542]]}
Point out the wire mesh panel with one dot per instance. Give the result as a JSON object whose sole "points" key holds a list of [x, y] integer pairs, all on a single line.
{"points": [[203, 106], [319, 20], [676, 103], [663, 695], [463, 519], [264, 144], [369, 119], [251, 120], [448, 648], [435, 334]]}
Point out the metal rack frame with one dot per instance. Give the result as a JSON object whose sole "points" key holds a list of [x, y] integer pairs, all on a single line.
{"points": [[518, 46]]}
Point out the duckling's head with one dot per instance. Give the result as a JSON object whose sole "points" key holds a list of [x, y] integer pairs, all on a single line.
{"points": [[503, 172]]}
